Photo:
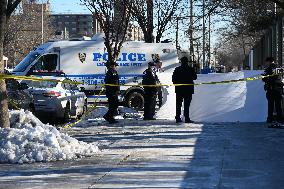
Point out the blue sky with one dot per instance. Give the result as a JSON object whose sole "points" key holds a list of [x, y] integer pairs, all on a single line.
{"points": [[74, 6], [67, 6]]}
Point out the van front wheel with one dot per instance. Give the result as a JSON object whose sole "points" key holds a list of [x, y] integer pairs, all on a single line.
{"points": [[135, 100]]}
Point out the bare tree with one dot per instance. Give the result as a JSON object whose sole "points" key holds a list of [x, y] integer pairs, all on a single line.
{"points": [[165, 13], [245, 22], [113, 17], [231, 51], [145, 11], [24, 31], [7, 7]]}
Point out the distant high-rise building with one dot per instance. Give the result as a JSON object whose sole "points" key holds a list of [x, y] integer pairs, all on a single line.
{"points": [[32, 6], [68, 25], [76, 25], [134, 33]]}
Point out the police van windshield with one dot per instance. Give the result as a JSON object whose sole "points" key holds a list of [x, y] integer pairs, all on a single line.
{"points": [[26, 62]]}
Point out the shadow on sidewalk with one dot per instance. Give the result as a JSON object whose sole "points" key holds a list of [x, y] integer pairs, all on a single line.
{"points": [[208, 155], [161, 154]]}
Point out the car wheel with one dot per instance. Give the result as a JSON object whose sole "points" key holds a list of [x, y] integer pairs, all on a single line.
{"points": [[85, 108], [32, 108], [135, 100], [67, 113]]}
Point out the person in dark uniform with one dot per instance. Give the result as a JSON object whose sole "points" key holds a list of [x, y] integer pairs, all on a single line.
{"points": [[158, 63], [274, 90], [150, 93], [112, 92], [184, 74]]}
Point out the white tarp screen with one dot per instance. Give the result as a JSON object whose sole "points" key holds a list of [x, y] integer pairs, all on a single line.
{"points": [[230, 102]]}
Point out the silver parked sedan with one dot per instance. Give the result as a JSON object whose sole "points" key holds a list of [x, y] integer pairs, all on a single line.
{"points": [[57, 99]]}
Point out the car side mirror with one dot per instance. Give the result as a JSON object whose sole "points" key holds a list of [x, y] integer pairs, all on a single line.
{"points": [[82, 89], [23, 86]]}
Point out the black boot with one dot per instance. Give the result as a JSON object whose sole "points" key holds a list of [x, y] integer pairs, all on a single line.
{"points": [[178, 119], [188, 121]]}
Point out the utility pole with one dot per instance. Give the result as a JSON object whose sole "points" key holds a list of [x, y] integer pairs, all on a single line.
{"points": [[203, 37], [191, 48], [198, 54], [150, 20]]}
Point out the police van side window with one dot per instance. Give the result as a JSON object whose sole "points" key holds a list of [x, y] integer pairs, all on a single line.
{"points": [[46, 63]]}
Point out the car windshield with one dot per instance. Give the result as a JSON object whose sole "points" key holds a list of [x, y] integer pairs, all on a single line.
{"points": [[26, 62], [43, 84]]}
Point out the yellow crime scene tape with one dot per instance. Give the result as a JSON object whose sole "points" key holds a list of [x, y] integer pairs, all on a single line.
{"points": [[94, 107], [11, 101], [31, 78]]}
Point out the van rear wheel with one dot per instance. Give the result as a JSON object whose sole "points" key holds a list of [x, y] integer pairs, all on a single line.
{"points": [[135, 100]]}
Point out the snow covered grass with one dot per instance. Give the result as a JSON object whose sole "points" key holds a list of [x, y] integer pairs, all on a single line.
{"points": [[29, 140]]}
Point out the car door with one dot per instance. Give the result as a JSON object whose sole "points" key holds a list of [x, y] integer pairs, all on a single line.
{"points": [[71, 96], [80, 98]]}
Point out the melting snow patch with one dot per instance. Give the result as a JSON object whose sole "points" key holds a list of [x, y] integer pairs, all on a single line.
{"points": [[29, 140]]}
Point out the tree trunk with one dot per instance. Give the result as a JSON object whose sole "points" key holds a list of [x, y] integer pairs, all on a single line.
{"points": [[149, 38], [4, 114], [158, 37]]}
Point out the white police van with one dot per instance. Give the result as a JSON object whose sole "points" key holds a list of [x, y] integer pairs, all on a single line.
{"points": [[83, 61]]}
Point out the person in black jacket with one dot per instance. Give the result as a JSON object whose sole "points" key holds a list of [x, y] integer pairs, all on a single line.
{"points": [[184, 74], [150, 93], [112, 78], [274, 89]]}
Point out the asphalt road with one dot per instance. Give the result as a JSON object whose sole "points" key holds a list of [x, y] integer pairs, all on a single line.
{"points": [[161, 154]]}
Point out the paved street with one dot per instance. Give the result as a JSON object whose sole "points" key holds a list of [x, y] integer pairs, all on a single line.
{"points": [[161, 154]]}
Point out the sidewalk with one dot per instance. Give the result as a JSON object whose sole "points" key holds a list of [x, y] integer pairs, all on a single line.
{"points": [[161, 154]]}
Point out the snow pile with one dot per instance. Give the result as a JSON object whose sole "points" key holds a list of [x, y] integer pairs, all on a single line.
{"points": [[229, 102], [29, 140]]}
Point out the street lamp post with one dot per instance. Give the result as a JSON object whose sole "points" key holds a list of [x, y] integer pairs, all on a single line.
{"points": [[191, 49], [177, 27], [203, 31], [177, 34], [42, 21]]}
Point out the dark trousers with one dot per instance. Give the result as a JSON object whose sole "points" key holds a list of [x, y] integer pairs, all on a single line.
{"points": [[274, 100], [160, 96], [187, 100], [112, 106], [149, 105]]}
